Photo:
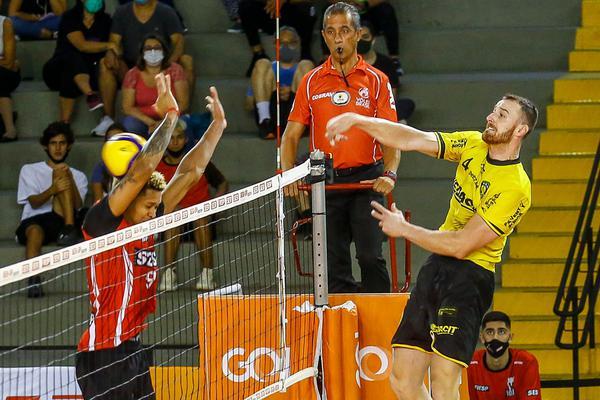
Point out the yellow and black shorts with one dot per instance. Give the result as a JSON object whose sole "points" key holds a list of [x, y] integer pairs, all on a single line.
{"points": [[445, 308]]}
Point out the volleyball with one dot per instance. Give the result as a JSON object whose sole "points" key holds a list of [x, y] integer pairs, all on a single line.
{"points": [[119, 152]]}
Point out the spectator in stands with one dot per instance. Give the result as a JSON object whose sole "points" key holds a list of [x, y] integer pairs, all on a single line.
{"points": [[382, 17], [139, 86], [199, 193], [101, 179], [495, 373], [10, 77], [233, 7], [52, 194], [170, 3], [73, 69], [132, 22], [36, 19], [260, 14], [292, 69], [404, 107]]}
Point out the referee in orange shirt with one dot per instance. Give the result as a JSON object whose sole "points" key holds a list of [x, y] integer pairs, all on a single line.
{"points": [[346, 83]]}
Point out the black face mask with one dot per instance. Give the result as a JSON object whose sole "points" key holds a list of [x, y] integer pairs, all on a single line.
{"points": [[496, 348], [364, 46]]}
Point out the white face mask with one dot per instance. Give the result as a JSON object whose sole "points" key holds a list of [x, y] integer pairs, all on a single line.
{"points": [[153, 57]]}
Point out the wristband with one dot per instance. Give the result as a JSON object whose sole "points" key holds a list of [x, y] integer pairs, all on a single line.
{"points": [[391, 174]]}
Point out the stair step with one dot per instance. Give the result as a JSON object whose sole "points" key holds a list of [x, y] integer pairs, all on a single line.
{"points": [[587, 38], [573, 116], [527, 303], [577, 87], [538, 220], [533, 273], [584, 61], [585, 393], [558, 361], [562, 168], [539, 246], [590, 13], [569, 142], [558, 193]]}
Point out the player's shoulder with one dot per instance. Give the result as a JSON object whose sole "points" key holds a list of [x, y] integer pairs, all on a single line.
{"points": [[477, 359], [33, 168], [522, 357]]}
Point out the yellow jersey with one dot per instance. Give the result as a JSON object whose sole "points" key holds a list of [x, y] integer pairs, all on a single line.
{"points": [[499, 191]]}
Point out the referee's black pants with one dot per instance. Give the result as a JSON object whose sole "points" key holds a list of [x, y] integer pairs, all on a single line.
{"points": [[349, 220]]}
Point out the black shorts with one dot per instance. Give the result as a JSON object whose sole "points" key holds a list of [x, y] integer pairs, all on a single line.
{"points": [[445, 308], [50, 222], [119, 373]]}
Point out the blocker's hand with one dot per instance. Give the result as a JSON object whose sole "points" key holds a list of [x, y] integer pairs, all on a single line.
{"points": [[391, 221], [165, 100], [213, 104]]}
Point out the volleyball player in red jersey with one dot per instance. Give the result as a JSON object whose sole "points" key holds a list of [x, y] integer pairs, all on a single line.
{"points": [[110, 362]]}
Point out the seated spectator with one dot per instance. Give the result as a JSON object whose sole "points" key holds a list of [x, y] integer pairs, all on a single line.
{"points": [[212, 177], [495, 373], [292, 69], [260, 14], [10, 77], [132, 22], [232, 7], [73, 69], [404, 107], [139, 86], [36, 19], [101, 180], [170, 3], [52, 194]]}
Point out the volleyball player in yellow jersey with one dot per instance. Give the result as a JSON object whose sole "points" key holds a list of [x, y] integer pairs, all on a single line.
{"points": [[491, 192]]}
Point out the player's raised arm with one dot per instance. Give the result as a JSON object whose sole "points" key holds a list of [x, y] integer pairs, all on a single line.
{"points": [[138, 174], [194, 163], [392, 134]]}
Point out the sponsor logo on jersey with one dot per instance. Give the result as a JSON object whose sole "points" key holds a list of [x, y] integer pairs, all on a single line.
{"points": [[340, 98], [489, 203], [533, 392], [448, 311], [145, 258], [319, 96], [360, 102], [458, 143], [461, 197], [485, 185], [516, 217], [482, 388], [510, 390], [363, 92], [443, 329]]}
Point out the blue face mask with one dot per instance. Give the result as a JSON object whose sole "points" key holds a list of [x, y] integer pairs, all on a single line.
{"points": [[93, 6], [142, 2]]}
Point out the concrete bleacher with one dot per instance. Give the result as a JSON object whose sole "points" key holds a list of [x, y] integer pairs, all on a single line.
{"points": [[459, 57]]}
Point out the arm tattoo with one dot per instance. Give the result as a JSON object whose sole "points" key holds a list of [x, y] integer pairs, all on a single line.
{"points": [[158, 141]]}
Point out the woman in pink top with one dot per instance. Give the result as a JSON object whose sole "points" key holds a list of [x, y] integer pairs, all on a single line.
{"points": [[139, 87]]}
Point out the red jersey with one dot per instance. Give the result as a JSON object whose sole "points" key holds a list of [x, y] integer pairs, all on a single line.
{"points": [[520, 380], [121, 282], [324, 94], [197, 193]]}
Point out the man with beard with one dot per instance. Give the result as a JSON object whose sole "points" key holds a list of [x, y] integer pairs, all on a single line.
{"points": [[51, 193], [495, 373], [491, 193]]}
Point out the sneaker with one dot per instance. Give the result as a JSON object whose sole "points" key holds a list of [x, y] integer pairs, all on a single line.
{"points": [[265, 130], [235, 28], [94, 101], [255, 58], [206, 280], [69, 236], [34, 287], [102, 127], [168, 282]]}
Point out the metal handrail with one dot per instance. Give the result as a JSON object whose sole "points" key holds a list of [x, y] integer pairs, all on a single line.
{"points": [[391, 240]]}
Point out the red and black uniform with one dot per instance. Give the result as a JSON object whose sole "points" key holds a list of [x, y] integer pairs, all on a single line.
{"points": [[323, 94], [200, 191], [111, 362], [520, 380]]}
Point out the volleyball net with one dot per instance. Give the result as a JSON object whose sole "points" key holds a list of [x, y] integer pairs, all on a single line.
{"points": [[232, 322]]}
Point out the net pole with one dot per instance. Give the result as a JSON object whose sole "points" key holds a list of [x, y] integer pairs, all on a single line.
{"points": [[317, 176], [277, 70]]}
